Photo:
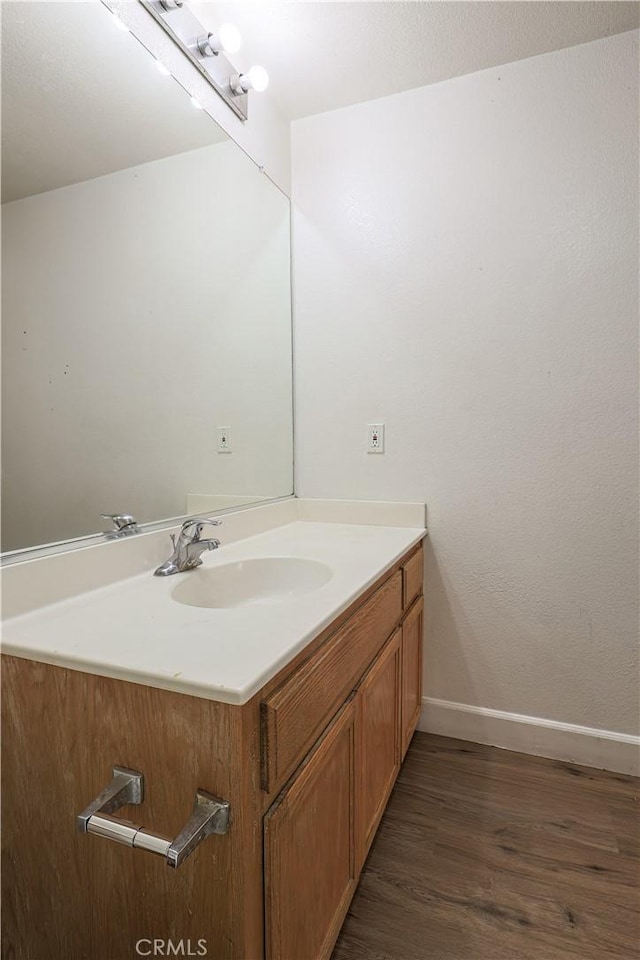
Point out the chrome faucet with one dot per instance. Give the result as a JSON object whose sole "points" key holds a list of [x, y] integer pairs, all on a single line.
{"points": [[188, 547]]}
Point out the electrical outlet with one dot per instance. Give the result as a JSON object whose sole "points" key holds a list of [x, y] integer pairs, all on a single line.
{"points": [[375, 438], [224, 439]]}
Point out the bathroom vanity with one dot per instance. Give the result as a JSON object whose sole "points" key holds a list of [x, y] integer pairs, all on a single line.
{"points": [[306, 761]]}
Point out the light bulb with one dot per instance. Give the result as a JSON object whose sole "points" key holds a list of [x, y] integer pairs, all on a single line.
{"points": [[226, 40], [230, 38], [259, 78], [160, 67], [255, 79]]}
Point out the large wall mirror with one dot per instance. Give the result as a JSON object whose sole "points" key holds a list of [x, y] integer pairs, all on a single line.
{"points": [[145, 290]]}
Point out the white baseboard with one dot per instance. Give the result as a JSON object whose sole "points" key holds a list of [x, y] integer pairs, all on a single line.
{"points": [[604, 749]]}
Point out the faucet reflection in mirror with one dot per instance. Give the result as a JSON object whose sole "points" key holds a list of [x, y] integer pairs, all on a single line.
{"points": [[123, 525]]}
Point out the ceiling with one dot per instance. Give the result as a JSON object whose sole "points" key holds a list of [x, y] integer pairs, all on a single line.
{"points": [[81, 99], [325, 55]]}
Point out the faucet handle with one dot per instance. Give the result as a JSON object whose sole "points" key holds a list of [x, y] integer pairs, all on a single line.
{"points": [[198, 523]]}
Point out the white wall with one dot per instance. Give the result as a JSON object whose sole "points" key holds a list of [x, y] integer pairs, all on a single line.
{"points": [[466, 271], [141, 310]]}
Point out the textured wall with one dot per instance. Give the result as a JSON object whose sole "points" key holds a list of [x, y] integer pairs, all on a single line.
{"points": [[466, 270]]}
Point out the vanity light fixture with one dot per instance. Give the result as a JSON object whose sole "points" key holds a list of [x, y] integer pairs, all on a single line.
{"points": [[209, 51]]}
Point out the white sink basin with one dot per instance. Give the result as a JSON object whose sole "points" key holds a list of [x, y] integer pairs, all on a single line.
{"points": [[260, 581]]}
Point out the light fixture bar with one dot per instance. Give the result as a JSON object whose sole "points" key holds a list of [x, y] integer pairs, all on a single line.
{"points": [[188, 33]]}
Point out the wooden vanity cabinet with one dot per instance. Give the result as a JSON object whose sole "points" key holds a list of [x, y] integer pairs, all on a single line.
{"points": [[310, 847], [378, 739], [318, 830], [412, 574], [72, 896], [411, 697], [307, 765], [297, 711]]}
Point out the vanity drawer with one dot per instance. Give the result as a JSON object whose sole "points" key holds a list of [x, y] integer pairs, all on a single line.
{"points": [[295, 714], [412, 573]]}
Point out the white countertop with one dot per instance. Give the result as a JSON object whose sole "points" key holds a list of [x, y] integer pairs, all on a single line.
{"points": [[133, 629]]}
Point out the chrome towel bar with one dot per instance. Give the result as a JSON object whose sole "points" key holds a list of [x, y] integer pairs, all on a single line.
{"points": [[210, 815]]}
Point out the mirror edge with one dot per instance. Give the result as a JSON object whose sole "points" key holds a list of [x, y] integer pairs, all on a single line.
{"points": [[11, 557]]}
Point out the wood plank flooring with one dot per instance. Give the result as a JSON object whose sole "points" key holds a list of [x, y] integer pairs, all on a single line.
{"points": [[484, 854]]}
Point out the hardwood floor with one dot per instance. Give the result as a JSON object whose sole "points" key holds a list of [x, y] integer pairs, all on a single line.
{"points": [[484, 854]]}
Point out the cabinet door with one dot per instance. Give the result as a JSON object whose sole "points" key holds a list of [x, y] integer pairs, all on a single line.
{"points": [[309, 848], [411, 672], [378, 740]]}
